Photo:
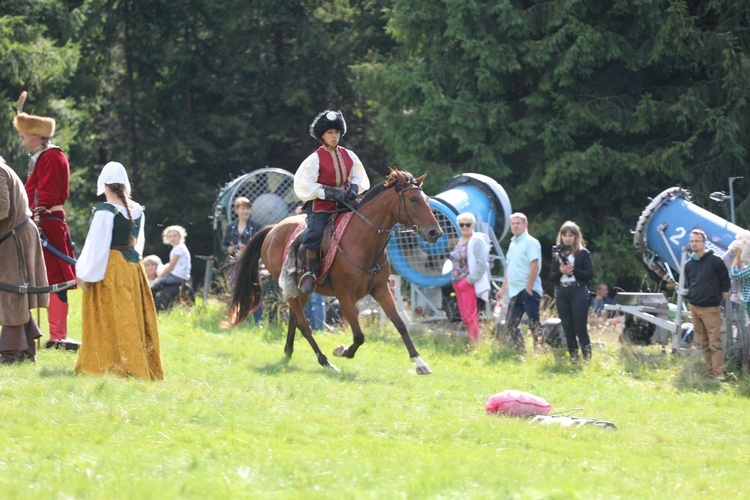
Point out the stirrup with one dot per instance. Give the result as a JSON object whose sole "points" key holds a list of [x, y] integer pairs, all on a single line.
{"points": [[308, 277]]}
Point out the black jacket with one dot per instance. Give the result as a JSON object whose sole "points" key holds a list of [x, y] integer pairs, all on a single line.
{"points": [[233, 238], [706, 279], [583, 268]]}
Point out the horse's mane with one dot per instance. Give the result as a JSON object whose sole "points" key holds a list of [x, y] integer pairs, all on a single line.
{"points": [[389, 182]]}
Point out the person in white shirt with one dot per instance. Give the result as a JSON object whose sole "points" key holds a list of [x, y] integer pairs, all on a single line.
{"points": [[120, 331], [325, 180], [176, 272]]}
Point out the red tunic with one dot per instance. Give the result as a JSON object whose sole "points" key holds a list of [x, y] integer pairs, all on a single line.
{"points": [[48, 186], [334, 170]]}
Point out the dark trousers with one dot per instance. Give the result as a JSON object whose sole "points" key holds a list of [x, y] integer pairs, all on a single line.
{"points": [[521, 304], [166, 290], [313, 234], [573, 308]]}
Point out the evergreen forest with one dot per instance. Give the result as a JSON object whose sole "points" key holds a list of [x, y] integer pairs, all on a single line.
{"points": [[582, 110]]}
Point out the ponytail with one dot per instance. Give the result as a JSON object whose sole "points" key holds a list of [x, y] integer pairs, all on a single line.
{"points": [[119, 190]]}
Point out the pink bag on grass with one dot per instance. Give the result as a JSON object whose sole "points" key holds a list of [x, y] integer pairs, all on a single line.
{"points": [[517, 404]]}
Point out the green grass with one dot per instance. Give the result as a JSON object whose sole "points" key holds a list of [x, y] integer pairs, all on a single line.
{"points": [[235, 419]]}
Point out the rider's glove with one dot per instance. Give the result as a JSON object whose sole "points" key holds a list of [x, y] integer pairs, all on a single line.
{"points": [[353, 188], [334, 194]]}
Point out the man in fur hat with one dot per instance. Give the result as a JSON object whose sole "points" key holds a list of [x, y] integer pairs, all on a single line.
{"points": [[327, 178], [47, 187], [22, 264]]}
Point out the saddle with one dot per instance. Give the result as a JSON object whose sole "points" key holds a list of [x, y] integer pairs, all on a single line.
{"points": [[295, 262]]}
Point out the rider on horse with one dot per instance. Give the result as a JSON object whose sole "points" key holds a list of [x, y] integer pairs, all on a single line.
{"points": [[329, 176]]}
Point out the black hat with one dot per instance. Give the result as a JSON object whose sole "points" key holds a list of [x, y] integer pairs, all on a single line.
{"points": [[325, 121]]}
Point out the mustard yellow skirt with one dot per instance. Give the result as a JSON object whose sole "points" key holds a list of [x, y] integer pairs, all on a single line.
{"points": [[120, 332]]}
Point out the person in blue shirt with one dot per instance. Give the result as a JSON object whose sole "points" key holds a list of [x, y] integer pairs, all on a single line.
{"points": [[522, 282], [597, 313]]}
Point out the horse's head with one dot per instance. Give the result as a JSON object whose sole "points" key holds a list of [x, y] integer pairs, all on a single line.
{"points": [[415, 211]]}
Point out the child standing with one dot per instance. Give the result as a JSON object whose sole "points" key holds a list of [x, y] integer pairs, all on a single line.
{"points": [[176, 272], [120, 332]]}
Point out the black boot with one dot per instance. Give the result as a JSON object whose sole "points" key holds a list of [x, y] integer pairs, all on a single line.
{"points": [[586, 353], [574, 359], [307, 281]]}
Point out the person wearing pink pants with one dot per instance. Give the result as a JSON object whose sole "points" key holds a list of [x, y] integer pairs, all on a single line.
{"points": [[470, 274]]}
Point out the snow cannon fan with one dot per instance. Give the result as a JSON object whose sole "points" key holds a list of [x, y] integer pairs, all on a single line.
{"points": [[663, 229], [271, 194], [421, 263]]}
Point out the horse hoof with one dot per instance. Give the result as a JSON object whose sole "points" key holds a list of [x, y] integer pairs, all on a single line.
{"points": [[333, 368], [423, 370], [340, 351]]}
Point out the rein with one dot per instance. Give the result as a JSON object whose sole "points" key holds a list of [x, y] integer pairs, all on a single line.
{"points": [[375, 268], [379, 230]]}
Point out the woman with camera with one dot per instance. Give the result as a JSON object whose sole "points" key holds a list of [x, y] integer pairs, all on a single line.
{"points": [[571, 269]]}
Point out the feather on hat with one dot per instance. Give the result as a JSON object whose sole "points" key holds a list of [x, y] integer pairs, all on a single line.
{"points": [[325, 121], [32, 124]]}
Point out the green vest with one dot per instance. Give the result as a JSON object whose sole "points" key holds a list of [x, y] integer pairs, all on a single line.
{"points": [[123, 234]]}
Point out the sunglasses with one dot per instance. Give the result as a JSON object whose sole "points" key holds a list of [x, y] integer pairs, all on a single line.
{"points": [[465, 224]]}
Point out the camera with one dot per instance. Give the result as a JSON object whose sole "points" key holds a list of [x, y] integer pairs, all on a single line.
{"points": [[561, 252]]}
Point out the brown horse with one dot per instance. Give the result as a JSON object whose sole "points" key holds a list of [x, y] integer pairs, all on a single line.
{"points": [[361, 265]]}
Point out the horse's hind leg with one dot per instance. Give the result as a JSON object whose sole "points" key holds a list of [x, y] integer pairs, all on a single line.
{"points": [[304, 325], [292, 329], [349, 311], [290, 333], [383, 296]]}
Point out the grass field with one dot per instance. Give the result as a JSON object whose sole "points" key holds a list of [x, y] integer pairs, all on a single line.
{"points": [[233, 419]]}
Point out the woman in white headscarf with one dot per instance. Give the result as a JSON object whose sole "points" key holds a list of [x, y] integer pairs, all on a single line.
{"points": [[120, 332]]}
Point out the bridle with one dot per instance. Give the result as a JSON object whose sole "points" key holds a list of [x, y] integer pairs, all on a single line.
{"points": [[409, 185], [376, 267], [401, 190]]}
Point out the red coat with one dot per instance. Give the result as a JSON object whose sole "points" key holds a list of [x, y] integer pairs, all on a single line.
{"points": [[48, 186]]}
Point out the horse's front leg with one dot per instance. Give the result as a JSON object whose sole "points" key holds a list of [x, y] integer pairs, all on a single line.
{"points": [[349, 311], [384, 297], [295, 308]]}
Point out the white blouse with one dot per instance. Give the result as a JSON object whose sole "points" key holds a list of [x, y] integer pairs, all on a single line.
{"points": [[92, 264], [306, 186]]}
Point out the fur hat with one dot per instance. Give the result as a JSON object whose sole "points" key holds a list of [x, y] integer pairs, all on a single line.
{"points": [[326, 121], [32, 124]]}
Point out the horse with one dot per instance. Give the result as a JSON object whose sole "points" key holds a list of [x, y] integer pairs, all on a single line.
{"points": [[360, 266]]}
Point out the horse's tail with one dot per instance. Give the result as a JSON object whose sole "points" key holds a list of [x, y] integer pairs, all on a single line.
{"points": [[247, 290]]}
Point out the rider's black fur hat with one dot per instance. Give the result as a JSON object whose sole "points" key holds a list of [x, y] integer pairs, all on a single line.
{"points": [[325, 121]]}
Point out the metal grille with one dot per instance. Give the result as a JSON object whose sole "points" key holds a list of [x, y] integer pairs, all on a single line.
{"points": [[422, 257], [271, 192]]}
